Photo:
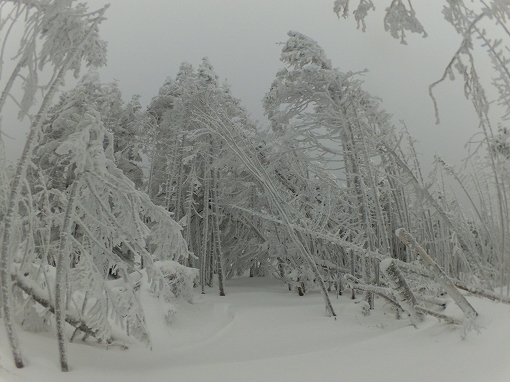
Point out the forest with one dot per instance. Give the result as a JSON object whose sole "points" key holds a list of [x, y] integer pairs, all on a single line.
{"points": [[116, 213]]}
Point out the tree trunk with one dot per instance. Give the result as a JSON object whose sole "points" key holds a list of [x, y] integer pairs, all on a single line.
{"points": [[217, 238], [386, 293], [61, 275], [441, 277], [420, 190], [210, 254], [205, 234], [402, 292], [25, 285]]}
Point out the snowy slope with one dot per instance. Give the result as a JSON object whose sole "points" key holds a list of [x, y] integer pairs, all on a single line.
{"points": [[262, 332]]}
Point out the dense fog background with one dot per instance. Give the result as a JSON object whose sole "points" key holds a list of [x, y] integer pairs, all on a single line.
{"points": [[147, 41]]}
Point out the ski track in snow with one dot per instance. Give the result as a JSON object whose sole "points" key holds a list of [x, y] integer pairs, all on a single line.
{"points": [[262, 332]]}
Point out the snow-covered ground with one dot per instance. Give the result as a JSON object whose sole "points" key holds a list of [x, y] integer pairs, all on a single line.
{"points": [[262, 332]]}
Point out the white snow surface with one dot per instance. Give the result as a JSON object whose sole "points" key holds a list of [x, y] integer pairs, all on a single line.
{"points": [[262, 332]]}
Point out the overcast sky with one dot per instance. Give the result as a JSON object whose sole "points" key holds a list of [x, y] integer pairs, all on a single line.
{"points": [[147, 41]]}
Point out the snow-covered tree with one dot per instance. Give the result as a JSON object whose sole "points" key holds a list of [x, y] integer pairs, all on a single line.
{"points": [[481, 26], [58, 36], [68, 223], [325, 116], [95, 213], [189, 164], [127, 136], [333, 120]]}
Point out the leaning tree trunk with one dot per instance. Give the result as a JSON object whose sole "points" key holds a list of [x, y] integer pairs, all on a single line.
{"points": [[402, 292], [441, 277], [442, 213]]}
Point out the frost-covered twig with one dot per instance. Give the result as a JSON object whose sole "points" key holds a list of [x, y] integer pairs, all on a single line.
{"points": [[466, 41]]}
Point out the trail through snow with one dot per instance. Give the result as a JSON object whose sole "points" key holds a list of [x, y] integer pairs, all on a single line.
{"points": [[262, 332]]}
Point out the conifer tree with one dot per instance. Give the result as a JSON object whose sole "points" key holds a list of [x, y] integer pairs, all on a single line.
{"points": [[189, 163]]}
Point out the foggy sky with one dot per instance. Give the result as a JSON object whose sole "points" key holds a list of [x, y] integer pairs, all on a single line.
{"points": [[147, 41]]}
